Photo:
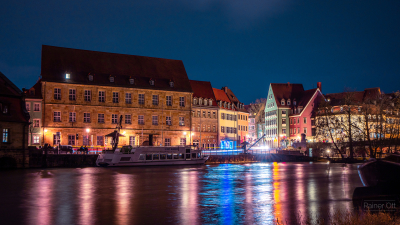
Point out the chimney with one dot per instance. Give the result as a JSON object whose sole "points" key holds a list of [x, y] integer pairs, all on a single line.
{"points": [[319, 86]]}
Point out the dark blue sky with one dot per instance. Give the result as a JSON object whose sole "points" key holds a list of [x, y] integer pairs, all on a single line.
{"points": [[244, 45]]}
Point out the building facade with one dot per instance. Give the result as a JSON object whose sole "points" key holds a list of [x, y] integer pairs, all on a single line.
{"points": [[86, 94], [204, 115], [33, 104]]}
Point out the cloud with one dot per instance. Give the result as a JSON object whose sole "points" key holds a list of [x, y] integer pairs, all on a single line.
{"points": [[241, 12]]}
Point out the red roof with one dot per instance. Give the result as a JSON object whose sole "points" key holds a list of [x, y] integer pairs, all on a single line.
{"points": [[35, 91], [203, 89], [57, 61], [356, 96], [220, 95], [286, 91]]}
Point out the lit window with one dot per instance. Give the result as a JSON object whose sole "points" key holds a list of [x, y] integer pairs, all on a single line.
{"points": [[36, 139], [132, 140], [205, 101], [72, 117], [195, 101], [6, 133], [67, 76], [210, 102], [181, 121], [151, 82], [56, 138], [183, 141]]}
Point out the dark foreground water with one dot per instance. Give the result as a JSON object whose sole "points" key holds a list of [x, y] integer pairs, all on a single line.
{"points": [[211, 194]]}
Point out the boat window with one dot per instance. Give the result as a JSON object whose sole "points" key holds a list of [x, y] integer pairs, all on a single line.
{"points": [[188, 150], [193, 155], [124, 159], [181, 156], [169, 156], [148, 156], [198, 155], [175, 156], [163, 156], [141, 156], [156, 157], [187, 156]]}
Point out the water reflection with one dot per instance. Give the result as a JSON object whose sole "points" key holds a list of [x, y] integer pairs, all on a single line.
{"points": [[40, 199], [256, 193]]}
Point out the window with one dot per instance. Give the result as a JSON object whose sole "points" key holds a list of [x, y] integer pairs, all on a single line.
{"points": [[100, 140], [283, 102], [6, 133], [167, 142], [204, 114], [151, 82], [72, 94], [86, 117], [210, 102], [132, 140], [85, 139], [141, 99], [155, 120], [57, 117], [155, 99], [28, 107], [128, 119], [284, 131], [141, 119], [222, 129], [205, 101], [288, 102], [115, 97], [36, 139], [169, 101], [90, 77], [182, 101], [67, 76], [305, 130], [198, 113], [100, 118], [223, 116], [283, 121], [128, 98], [111, 79], [102, 96], [213, 130], [209, 114], [57, 93], [283, 112], [305, 120], [114, 118], [195, 101], [298, 121], [131, 81], [168, 120], [298, 130], [56, 138], [36, 123], [183, 141], [71, 139], [181, 121], [214, 115], [171, 84], [72, 117], [88, 95]]}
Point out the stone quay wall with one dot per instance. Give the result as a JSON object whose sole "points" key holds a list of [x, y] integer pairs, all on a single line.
{"points": [[14, 158]]}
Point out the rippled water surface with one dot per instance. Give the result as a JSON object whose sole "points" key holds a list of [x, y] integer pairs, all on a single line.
{"points": [[211, 194]]}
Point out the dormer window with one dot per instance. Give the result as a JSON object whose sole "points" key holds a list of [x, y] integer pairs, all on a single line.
{"points": [[90, 77], [294, 102], [32, 92], [283, 102], [131, 80], [341, 109], [220, 103], [112, 79], [224, 104], [151, 82], [229, 105], [205, 101], [210, 102], [200, 101], [288, 102], [195, 101], [67, 76], [171, 84]]}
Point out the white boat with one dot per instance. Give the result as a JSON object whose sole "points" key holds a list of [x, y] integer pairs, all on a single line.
{"points": [[151, 156]]}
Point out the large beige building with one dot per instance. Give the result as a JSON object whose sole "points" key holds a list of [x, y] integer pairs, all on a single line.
{"points": [[85, 93]]}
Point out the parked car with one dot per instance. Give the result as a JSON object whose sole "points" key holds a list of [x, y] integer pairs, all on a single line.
{"points": [[66, 149]]}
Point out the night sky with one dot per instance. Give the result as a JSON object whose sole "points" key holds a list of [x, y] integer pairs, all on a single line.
{"points": [[244, 45]]}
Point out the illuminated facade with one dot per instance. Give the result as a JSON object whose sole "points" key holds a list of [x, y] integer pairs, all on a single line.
{"points": [[85, 93], [33, 104]]}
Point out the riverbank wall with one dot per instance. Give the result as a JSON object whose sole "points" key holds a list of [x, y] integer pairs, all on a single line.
{"points": [[249, 158], [48, 161]]}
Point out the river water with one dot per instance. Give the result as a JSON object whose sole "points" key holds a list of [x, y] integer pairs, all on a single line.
{"points": [[255, 193]]}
